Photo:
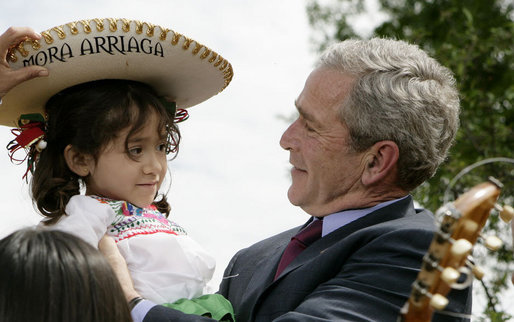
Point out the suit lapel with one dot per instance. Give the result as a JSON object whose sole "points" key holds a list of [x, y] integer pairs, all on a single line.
{"points": [[394, 211], [264, 274], [262, 280]]}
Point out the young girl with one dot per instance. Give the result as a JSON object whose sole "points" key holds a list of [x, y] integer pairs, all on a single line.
{"points": [[99, 156], [114, 136]]}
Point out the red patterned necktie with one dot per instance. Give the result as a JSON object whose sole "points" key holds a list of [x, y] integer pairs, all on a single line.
{"points": [[298, 243]]}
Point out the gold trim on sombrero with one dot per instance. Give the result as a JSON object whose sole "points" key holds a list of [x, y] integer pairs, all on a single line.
{"points": [[73, 28]]}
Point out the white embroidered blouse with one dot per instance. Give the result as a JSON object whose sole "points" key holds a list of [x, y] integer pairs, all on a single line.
{"points": [[164, 262]]}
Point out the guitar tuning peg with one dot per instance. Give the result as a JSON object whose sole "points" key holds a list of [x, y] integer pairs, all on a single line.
{"points": [[450, 275], [506, 212], [493, 243], [461, 248], [470, 226], [478, 272], [438, 302]]}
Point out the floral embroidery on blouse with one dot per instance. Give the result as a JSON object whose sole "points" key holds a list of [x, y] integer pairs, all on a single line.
{"points": [[130, 220]]}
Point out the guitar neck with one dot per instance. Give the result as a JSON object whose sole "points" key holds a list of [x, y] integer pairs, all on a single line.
{"points": [[448, 253]]}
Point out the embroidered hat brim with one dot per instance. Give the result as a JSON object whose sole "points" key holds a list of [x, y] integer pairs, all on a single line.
{"points": [[177, 67]]}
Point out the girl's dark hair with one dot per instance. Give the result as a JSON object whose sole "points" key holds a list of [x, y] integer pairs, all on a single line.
{"points": [[53, 276], [89, 116]]}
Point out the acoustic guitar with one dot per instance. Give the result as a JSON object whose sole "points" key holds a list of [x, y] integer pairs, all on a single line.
{"points": [[448, 264]]}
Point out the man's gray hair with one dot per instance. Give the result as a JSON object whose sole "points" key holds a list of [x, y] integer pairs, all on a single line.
{"points": [[400, 94]]}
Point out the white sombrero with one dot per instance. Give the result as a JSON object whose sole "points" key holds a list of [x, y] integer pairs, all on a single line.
{"points": [[177, 67]]}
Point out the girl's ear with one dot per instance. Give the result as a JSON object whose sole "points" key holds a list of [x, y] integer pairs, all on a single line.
{"points": [[79, 163]]}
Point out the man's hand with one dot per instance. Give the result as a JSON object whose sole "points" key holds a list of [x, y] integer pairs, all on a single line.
{"points": [[108, 248], [9, 78]]}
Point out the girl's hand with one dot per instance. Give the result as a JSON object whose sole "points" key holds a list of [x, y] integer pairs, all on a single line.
{"points": [[9, 77], [108, 248]]}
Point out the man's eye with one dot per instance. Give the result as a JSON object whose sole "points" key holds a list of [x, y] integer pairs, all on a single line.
{"points": [[135, 151], [305, 124], [308, 128]]}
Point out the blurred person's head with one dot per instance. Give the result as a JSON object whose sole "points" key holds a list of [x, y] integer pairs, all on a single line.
{"points": [[54, 276]]}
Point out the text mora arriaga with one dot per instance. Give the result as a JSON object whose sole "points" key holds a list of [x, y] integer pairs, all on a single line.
{"points": [[105, 44]]}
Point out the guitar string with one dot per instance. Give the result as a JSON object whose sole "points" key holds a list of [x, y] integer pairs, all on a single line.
{"points": [[457, 315], [468, 169]]}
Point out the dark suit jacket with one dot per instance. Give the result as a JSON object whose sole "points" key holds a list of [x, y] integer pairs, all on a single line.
{"points": [[361, 272]]}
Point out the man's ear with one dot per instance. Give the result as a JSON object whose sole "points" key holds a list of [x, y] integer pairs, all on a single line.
{"points": [[381, 162], [79, 163]]}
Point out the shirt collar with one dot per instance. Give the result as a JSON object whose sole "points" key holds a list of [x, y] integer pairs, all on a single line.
{"points": [[339, 219]]}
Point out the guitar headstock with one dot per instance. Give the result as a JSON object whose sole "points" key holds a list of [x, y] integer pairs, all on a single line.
{"points": [[461, 223]]}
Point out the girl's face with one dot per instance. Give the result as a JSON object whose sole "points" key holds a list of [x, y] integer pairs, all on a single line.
{"points": [[134, 175]]}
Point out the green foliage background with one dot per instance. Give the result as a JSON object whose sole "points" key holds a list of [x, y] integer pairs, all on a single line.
{"points": [[474, 38]]}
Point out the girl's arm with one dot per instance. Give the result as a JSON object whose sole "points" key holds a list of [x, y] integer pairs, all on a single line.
{"points": [[108, 248]]}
